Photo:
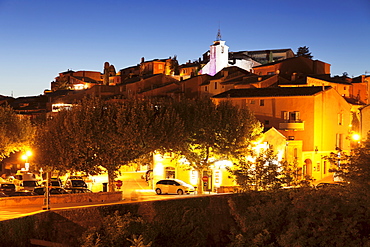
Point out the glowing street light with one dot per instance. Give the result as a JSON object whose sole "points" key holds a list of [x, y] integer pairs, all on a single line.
{"points": [[356, 137], [25, 158]]}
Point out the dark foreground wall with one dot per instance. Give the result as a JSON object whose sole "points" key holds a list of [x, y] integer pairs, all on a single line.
{"points": [[206, 215], [284, 218]]}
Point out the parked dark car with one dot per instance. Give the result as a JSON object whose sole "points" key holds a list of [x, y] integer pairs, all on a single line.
{"points": [[7, 188], [78, 190], [23, 193], [54, 182], [2, 194], [52, 191], [75, 183]]}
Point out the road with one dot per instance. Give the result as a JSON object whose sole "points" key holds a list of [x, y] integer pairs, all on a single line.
{"points": [[134, 189]]}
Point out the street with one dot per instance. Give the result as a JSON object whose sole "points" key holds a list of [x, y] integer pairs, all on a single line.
{"points": [[134, 189]]}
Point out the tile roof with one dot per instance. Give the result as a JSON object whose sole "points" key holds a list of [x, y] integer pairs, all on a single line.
{"points": [[250, 79], [189, 65], [138, 78], [86, 79], [271, 92], [276, 62], [339, 80]]}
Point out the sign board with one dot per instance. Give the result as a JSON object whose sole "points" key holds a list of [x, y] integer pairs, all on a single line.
{"points": [[205, 178], [119, 183], [217, 176]]}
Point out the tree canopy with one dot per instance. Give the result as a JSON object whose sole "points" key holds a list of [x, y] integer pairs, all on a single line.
{"points": [[97, 133], [214, 132], [303, 51], [109, 134], [15, 133], [353, 167]]}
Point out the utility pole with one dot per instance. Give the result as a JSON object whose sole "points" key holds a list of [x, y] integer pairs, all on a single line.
{"points": [[46, 205]]}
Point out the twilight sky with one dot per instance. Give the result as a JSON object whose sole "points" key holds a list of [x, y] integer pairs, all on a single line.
{"points": [[41, 38]]}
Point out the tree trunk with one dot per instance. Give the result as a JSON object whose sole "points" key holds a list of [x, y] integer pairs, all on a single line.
{"points": [[200, 181], [111, 176]]}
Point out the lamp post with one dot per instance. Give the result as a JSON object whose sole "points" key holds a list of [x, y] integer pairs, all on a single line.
{"points": [[25, 157]]}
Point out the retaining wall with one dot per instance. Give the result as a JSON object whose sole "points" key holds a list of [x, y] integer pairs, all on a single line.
{"points": [[64, 227], [63, 198]]}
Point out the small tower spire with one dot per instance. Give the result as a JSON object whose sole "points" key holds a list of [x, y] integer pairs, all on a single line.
{"points": [[218, 34]]}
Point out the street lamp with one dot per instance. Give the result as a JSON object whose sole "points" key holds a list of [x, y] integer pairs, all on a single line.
{"points": [[356, 137], [25, 158]]}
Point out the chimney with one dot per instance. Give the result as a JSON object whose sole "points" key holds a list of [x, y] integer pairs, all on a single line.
{"points": [[142, 59], [294, 76]]}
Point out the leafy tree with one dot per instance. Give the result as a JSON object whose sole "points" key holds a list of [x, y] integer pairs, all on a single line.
{"points": [[97, 134], [214, 132], [291, 175], [53, 146], [353, 167], [303, 51], [261, 172], [117, 230], [15, 133], [62, 83]]}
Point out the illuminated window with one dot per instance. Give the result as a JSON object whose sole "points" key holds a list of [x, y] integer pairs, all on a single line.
{"points": [[340, 118], [339, 140], [285, 115]]}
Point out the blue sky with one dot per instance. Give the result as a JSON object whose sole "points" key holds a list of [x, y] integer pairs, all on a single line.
{"points": [[41, 38]]}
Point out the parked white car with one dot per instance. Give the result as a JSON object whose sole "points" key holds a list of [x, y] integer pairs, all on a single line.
{"points": [[173, 186]]}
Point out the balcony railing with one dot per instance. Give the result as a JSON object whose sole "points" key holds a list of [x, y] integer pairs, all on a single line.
{"points": [[297, 125]]}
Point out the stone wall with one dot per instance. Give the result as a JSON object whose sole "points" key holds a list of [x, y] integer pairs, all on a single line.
{"points": [[63, 198]]}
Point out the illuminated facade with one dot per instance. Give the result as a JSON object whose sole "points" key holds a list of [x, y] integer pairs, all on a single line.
{"points": [[293, 68], [314, 120], [165, 166], [217, 177], [219, 59], [76, 80]]}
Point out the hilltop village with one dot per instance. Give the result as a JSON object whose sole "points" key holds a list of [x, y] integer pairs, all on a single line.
{"points": [[306, 112]]}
